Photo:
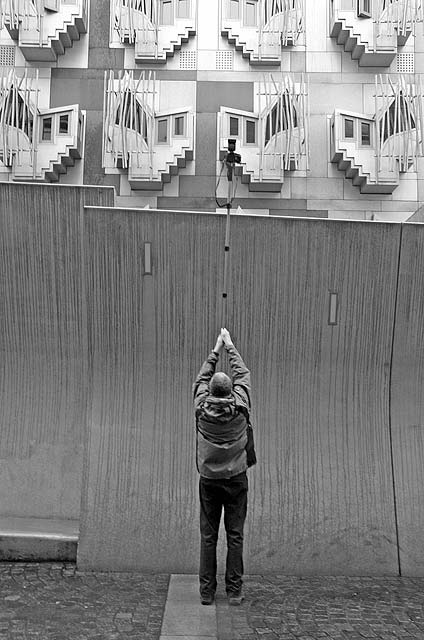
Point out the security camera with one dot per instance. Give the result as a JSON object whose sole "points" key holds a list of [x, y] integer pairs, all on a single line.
{"points": [[232, 157]]}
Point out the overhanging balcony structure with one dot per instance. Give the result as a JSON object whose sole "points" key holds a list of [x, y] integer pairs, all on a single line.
{"points": [[156, 28], [260, 28], [36, 144], [373, 30], [274, 139], [147, 144], [374, 150], [44, 29]]}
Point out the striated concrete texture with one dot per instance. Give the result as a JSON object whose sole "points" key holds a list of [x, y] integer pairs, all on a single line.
{"points": [[321, 498], [43, 349]]}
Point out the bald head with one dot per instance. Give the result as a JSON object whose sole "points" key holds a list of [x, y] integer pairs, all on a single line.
{"points": [[220, 385]]}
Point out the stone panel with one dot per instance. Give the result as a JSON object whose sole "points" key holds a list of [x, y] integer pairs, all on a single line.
{"points": [[321, 497], [407, 405]]}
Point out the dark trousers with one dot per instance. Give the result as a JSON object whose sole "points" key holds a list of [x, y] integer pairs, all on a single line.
{"points": [[230, 494]]}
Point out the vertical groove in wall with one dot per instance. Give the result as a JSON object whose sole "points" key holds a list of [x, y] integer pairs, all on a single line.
{"points": [[395, 311]]}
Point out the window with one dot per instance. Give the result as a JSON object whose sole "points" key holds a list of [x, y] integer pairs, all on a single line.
{"points": [[183, 8], [132, 115], [277, 6], [397, 118], [179, 128], [365, 134], [166, 12], [16, 112], [283, 116], [46, 129], [234, 126], [250, 132], [233, 9], [64, 124], [250, 13], [163, 131], [144, 6], [348, 128], [364, 8]]}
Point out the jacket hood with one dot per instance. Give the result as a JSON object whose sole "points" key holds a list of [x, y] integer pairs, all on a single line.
{"points": [[221, 409]]}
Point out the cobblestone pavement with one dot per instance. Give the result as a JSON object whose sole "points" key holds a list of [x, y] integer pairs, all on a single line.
{"points": [[321, 608], [55, 602]]}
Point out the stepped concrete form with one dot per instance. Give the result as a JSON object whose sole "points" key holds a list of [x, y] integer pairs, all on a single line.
{"points": [[251, 50], [360, 49], [38, 539], [60, 32]]}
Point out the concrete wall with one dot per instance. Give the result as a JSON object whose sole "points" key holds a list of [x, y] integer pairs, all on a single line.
{"points": [[322, 497], [98, 360], [43, 348], [407, 416]]}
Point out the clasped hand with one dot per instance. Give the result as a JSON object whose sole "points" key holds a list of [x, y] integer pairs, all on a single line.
{"points": [[224, 338]]}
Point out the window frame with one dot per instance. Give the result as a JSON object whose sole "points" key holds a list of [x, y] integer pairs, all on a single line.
{"points": [[364, 9], [254, 3], [60, 116], [360, 136], [232, 116], [42, 129], [353, 136], [255, 129], [161, 13], [230, 4], [158, 121], [183, 16], [176, 117]]}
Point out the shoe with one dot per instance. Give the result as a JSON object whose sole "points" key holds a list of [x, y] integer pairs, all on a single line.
{"points": [[235, 599], [207, 598]]}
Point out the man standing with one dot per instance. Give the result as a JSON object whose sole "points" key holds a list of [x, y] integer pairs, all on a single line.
{"points": [[222, 409]]}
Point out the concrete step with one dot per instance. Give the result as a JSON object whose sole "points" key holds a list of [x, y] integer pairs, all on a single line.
{"points": [[38, 539]]}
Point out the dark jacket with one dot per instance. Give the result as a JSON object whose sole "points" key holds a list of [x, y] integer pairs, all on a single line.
{"points": [[221, 423]]}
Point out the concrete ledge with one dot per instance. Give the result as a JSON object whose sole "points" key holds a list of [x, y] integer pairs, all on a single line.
{"points": [[38, 539]]}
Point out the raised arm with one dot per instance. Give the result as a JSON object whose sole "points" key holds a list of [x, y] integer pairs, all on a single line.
{"points": [[201, 384], [240, 373]]}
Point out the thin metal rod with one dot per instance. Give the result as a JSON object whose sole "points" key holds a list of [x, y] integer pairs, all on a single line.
{"points": [[227, 246]]}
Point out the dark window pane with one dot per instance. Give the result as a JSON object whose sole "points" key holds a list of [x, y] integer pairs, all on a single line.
{"points": [[64, 124], [179, 126], [250, 132], [348, 127], [46, 133], [365, 133], [163, 131], [234, 126]]}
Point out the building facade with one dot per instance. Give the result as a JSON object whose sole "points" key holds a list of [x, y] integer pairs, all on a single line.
{"points": [[324, 100]]}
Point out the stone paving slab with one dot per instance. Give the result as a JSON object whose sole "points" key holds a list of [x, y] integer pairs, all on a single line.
{"points": [[324, 608], [44, 601], [184, 616], [56, 602]]}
